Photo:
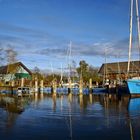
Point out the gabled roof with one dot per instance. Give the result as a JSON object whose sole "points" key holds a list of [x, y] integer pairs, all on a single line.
{"points": [[119, 67], [11, 68]]}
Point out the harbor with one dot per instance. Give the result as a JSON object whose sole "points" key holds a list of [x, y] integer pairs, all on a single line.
{"points": [[69, 70], [16, 79]]}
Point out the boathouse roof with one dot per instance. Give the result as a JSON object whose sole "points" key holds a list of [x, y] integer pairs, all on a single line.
{"points": [[11, 68], [119, 67]]}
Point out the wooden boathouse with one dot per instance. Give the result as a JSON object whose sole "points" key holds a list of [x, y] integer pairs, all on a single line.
{"points": [[13, 74], [118, 70]]}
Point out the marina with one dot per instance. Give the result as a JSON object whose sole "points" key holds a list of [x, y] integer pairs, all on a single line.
{"points": [[69, 70]]}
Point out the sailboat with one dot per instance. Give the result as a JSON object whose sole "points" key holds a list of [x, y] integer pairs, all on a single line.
{"points": [[134, 83], [70, 84]]}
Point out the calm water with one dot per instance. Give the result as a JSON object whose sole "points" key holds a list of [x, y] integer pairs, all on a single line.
{"points": [[67, 117]]}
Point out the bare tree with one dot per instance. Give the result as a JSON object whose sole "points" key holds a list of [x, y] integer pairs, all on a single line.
{"points": [[1, 56], [11, 55]]}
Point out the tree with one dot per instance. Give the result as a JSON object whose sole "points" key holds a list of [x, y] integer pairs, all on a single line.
{"points": [[83, 70], [93, 73], [11, 55], [2, 56], [37, 74], [86, 72]]}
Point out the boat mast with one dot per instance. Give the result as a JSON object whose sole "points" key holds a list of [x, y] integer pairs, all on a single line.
{"points": [[130, 38], [105, 68], [138, 23], [138, 27], [70, 60], [61, 79]]}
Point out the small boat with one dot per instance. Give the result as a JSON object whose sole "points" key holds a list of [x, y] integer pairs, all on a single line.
{"points": [[99, 90], [73, 85], [23, 91]]}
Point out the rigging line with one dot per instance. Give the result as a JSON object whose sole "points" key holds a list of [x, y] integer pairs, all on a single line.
{"points": [[138, 24], [119, 72], [61, 79], [70, 46], [130, 38], [138, 27]]}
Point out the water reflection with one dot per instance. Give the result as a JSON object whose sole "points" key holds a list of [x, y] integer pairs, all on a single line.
{"points": [[70, 117], [14, 104], [134, 117], [54, 101], [90, 98], [70, 97]]}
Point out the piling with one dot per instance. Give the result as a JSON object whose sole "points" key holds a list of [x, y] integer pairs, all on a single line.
{"points": [[13, 83], [54, 87], [69, 88], [12, 86], [81, 86], [22, 82], [90, 85], [36, 86], [41, 85], [30, 84]]}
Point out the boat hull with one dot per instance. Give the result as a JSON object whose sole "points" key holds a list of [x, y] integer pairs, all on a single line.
{"points": [[100, 90], [134, 86]]}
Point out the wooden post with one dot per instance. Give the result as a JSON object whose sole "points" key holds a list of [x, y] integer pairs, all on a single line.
{"points": [[36, 86], [41, 85], [54, 86], [30, 84], [69, 87], [90, 85], [12, 86], [13, 83], [22, 82], [81, 86]]}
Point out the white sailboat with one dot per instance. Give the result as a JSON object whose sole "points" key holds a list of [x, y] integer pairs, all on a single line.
{"points": [[70, 84], [134, 83]]}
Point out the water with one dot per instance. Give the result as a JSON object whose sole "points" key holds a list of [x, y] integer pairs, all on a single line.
{"points": [[67, 117]]}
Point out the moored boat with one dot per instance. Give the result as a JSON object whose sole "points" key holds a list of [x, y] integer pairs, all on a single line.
{"points": [[23, 91], [133, 86], [134, 83]]}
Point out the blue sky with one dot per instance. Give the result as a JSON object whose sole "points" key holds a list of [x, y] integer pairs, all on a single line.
{"points": [[40, 31]]}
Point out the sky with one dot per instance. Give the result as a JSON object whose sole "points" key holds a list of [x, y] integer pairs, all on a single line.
{"points": [[39, 32]]}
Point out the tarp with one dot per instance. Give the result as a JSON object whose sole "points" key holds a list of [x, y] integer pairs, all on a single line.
{"points": [[22, 75]]}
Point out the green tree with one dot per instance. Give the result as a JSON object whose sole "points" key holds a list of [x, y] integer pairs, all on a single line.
{"points": [[86, 72], [83, 70]]}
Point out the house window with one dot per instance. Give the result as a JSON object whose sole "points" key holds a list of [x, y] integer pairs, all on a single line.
{"points": [[7, 83]]}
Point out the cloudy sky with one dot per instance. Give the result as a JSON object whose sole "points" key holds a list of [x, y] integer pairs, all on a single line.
{"points": [[40, 31]]}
